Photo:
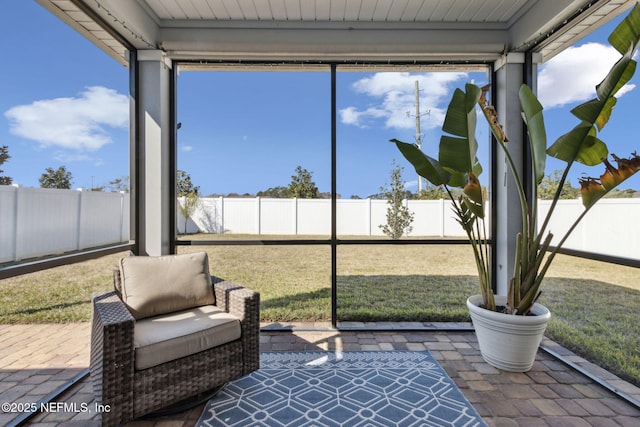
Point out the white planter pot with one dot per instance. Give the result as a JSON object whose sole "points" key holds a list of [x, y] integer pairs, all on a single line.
{"points": [[506, 341]]}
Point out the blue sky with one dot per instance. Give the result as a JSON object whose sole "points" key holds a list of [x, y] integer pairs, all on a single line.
{"points": [[64, 102]]}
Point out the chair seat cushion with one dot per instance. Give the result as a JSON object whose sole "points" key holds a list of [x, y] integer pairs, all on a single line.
{"points": [[167, 337]]}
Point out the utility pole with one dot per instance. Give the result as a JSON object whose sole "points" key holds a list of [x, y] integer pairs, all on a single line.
{"points": [[418, 132], [418, 135]]}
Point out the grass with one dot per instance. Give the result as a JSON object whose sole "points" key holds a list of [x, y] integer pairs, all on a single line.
{"points": [[56, 295], [593, 304], [598, 321]]}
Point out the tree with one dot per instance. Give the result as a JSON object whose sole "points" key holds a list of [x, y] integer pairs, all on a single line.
{"points": [[302, 186], [4, 156], [59, 178], [119, 184], [399, 218], [431, 192], [275, 192], [184, 186], [549, 185], [189, 205], [327, 195], [620, 194]]}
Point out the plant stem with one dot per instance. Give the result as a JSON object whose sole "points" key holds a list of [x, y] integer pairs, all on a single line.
{"points": [[553, 253], [554, 202]]}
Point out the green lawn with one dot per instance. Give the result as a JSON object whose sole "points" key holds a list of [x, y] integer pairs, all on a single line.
{"points": [[593, 304]]}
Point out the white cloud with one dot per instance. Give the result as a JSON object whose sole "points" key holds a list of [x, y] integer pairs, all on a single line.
{"points": [[73, 123], [395, 96], [572, 75], [187, 148], [68, 158], [411, 184]]}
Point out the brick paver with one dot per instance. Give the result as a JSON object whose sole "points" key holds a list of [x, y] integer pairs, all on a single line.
{"points": [[35, 359]]}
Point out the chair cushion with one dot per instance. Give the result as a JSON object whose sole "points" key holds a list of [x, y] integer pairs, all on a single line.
{"points": [[161, 339], [158, 285]]}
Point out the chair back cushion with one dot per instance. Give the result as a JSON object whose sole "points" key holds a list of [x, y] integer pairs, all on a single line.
{"points": [[158, 285]]}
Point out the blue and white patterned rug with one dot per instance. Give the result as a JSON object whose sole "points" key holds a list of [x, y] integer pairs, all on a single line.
{"points": [[351, 388]]}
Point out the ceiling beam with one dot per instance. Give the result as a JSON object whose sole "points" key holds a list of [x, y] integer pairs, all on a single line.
{"points": [[335, 44]]}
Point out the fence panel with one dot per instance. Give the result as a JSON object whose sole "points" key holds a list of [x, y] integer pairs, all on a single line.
{"points": [[313, 217], [8, 230], [207, 218], [603, 230], [125, 227], [101, 219], [37, 222], [378, 216], [241, 216], [610, 228], [428, 218], [613, 227], [277, 216], [47, 222], [353, 217]]}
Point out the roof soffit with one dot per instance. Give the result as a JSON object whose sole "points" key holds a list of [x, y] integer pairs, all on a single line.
{"points": [[421, 30]]}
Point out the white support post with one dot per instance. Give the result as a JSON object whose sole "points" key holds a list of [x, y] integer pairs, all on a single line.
{"points": [[295, 216], [123, 212], [221, 215], [442, 217], [258, 213], [509, 78], [369, 212], [79, 225], [155, 167], [16, 220]]}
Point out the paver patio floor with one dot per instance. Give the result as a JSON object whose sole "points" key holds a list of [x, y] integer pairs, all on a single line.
{"points": [[37, 359]]}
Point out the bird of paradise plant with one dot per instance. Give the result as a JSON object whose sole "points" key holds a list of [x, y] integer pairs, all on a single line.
{"points": [[458, 166]]}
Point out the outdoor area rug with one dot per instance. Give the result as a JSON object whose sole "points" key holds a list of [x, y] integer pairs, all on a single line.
{"points": [[350, 388]]}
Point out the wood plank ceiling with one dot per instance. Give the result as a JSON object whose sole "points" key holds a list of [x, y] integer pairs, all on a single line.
{"points": [[434, 31], [340, 10]]}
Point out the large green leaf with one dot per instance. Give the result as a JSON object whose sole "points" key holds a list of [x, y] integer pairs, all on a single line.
{"points": [[457, 179], [595, 111], [532, 115], [627, 33], [454, 154], [618, 76], [427, 167], [580, 144], [455, 120], [458, 152]]}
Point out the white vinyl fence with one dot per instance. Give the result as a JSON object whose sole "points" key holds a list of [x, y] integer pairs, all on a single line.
{"points": [[264, 216], [37, 221], [611, 228]]}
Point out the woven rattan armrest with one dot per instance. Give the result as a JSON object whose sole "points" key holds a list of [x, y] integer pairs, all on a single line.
{"points": [[112, 353], [245, 304]]}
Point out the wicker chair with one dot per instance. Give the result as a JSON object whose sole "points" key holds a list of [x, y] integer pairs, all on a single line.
{"points": [[130, 392]]}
